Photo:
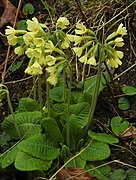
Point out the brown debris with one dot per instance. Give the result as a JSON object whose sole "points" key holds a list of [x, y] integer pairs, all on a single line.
{"points": [[9, 14], [128, 133], [74, 174]]}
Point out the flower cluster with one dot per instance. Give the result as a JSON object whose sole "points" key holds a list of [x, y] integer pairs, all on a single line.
{"points": [[35, 42], [91, 46]]}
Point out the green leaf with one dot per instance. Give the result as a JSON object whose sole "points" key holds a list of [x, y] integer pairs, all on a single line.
{"points": [[4, 138], [28, 9], [131, 174], [40, 146], [77, 162], [90, 83], [85, 97], [59, 107], [51, 126], [57, 94], [97, 151], [123, 103], [118, 125], [118, 174], [21, 25], [25, 162], [103, 137], [129, 90], [27, 124], [16, 65], [101, 173], [28, 105], [81, 110], [65, 152], [8, 158]]}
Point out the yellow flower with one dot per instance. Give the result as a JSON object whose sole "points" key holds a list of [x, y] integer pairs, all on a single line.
{"points": [[35, 69], [12, 40], [62, 22], [39, 42], [77, 39], [19, 50], [10, 31], [29, 38], [115, 62], [52, 79], [51, 69], [37, 52], [33, 25], [121, 30], [92, 61], [83, 59], [50, 60], [30, 52], [78, 50], [119, 42], [49, 47], [66, 42], [81, 29]]}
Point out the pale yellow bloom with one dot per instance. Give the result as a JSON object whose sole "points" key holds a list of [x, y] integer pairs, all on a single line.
{"points": [[42, 60], [10, 31], [77, 39], [62, 22], [52, 79], [119, 42], [121, 30], [114, 63], [50, 60], [39, 42], [35, 69], [83, 59], [81, 29], [37, 52], [92, 61], [19, 50], [30, 52], [66, 42], [33, 25], [49, 47], [29, 38], [78, 51], [51, 69], [12, 40]]}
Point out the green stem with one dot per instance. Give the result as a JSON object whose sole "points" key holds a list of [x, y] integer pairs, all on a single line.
{"points": [[34, 87], [11, 111], [68, 109], [48, 96], [94, 97], [40, 93], [64, 86]]}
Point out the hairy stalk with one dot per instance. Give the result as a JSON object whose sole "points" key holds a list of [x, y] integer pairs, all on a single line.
{"points": [[48, 96], [95, 96], [64, 86], [12, 113], [68, 108], [34, 87], [40, 93]]}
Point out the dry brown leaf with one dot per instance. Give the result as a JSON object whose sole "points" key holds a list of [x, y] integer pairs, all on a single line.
{"points": [[128, 133], [9, 13], [74, 174]]}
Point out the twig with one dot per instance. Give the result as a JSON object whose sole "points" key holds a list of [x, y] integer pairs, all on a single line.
{"points": [[8, 51]]}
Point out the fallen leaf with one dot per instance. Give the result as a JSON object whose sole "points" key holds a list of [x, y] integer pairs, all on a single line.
{"points": [[74, 174], [128, 133], [9, 13]]}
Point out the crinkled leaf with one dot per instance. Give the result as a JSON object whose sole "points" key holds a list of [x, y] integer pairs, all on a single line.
{"points": [[57, 94], [40, 146], [118, 174], [77, 162], [28, 105], [131, 174], [25, 162], [8, 158], [51, 126], [28, 9], [81, 110], [16, 65], [103, 137], [96, 151], [27, 124], [4, 138]]}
